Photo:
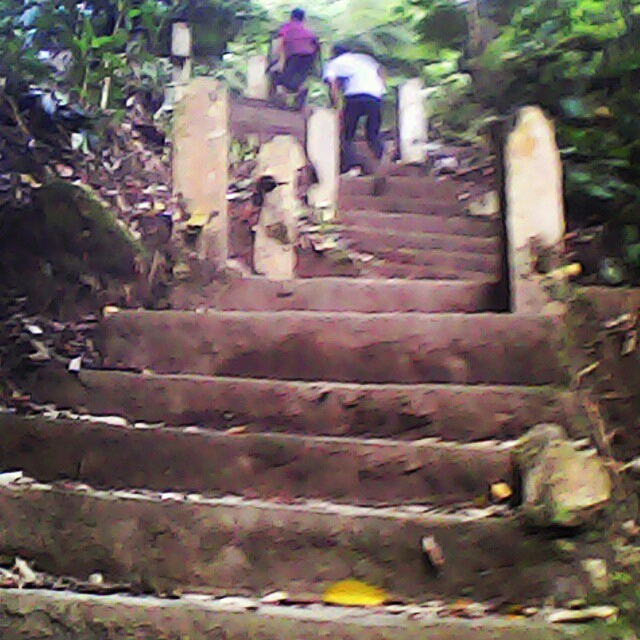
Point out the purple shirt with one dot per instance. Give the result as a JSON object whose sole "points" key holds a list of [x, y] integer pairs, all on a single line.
{"points": [[298, 40]]}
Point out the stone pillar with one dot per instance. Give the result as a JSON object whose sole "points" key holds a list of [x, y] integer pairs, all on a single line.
{"points": [[412, 122], [257, 80], [181, 59], [274, 247], [323, 151], [535, 204], [200, 163]]}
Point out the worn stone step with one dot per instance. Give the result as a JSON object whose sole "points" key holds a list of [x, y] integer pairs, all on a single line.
{"points": [[373, 240], [451, 412], [426, 186], [268, 465], [258, 117], [33, 614], [380, 269], [416, 223], [448, 262], [346, 294], [391, 203], [176, 541], [348, 347], [390, 268]]}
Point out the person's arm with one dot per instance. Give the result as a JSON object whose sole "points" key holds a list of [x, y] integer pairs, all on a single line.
{"points": [[334, 91], [331, 77], [383, 74]]}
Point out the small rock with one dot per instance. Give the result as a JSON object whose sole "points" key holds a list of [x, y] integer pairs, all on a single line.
{"points": [[596, 569], [75, 365], [630, 528], [34, 330], [277, 597], [96, 579], [26, 575], [433, 552], [10, 477], [583, 615], [561, 485]]}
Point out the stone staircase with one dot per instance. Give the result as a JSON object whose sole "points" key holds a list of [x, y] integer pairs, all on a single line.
{"points": [[296, 434]]}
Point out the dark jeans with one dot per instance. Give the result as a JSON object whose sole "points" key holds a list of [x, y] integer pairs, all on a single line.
{"points": [[356, 107], [297, 69]]}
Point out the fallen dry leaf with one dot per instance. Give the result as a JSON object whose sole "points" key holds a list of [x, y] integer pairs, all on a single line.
{"points": [[501, 491], [353, 593]]}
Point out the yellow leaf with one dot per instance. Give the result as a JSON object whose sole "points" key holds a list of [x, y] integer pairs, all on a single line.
{"points": [[110, 310], [603, 112], [501, 491], [569, 271], [353, 593], [198, 218]]}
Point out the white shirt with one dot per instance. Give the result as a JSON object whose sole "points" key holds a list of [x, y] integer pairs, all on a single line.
{"points": [[360, 72]]}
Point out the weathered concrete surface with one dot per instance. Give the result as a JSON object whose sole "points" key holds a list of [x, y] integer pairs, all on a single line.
{"points": [[253, 465], [348, 347], [33, 615], [412, 121], [257, 79], [256, 117], [343, 294], [200, 150], [375, 241], [535, 202], [417, 223], [254, 546], [275, 239], [396, 203], [452, 412], [323, 151]]}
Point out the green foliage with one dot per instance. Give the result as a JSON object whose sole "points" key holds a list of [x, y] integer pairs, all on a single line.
{"points": [[579, 59], [124, 41]]}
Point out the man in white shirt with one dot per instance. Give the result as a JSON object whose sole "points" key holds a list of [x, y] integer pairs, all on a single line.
{"points": [[362, 81]]}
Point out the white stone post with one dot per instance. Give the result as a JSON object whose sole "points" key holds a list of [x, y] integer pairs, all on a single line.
{"points": [[257, 79], [200, 163], [181, 59], [323, 151], [274, 252], [412, 122], [535, 203]]}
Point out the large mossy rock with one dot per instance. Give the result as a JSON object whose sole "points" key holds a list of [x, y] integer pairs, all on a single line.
{"points": [[67, 243], [561, 485]]}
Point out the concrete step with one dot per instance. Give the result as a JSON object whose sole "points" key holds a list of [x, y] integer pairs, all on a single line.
{"points": [[347, 294], [268, 465], [389, 203], [257, 117], [426, 186], [374, 240], [417, 223], [394, 270], [34, 614], [175, 541], [447, 262], [379, 269], [347, 347], [452, 412]]}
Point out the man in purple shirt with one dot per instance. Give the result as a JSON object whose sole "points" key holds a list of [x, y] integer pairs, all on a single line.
{"points": [[300, 47]]}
